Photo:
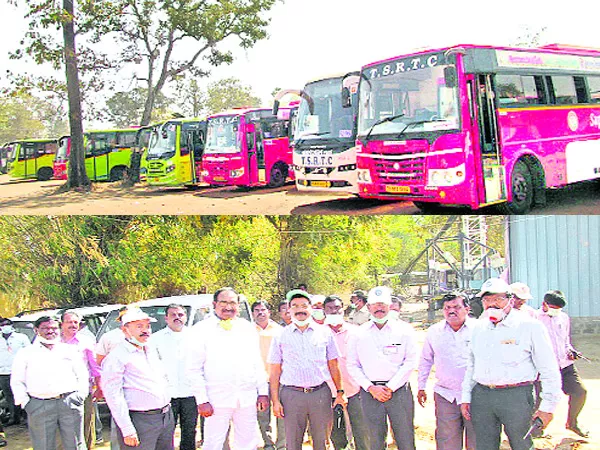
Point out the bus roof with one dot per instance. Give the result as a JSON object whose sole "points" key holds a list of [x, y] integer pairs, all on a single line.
{"points": [[238, 112], [329, 77], [113, 130], [24, 141], [484, 58]]}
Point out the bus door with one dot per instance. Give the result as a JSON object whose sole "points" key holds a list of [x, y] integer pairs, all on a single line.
{"points": [[252, 130], [27, 160], [482, 95]]}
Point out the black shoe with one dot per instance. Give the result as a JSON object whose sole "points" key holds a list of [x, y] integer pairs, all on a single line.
{"points": [[575, 429]]}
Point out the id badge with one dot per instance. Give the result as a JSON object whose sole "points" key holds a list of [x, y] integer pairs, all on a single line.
{"points": [[390, 350]]}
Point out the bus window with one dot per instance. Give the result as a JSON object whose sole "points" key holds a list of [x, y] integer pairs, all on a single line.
{"points": [[516, 90], [581, 90], [594, 87], [563, 88], [127, 139]]}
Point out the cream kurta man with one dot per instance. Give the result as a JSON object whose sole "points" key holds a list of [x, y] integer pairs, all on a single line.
{"points": [[230, 382]]}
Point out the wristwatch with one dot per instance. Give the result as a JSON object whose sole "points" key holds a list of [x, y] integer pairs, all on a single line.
{"points": [[340, 391]]}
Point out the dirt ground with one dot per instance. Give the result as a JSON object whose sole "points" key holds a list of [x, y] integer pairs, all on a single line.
{"points": [[556, 436]]}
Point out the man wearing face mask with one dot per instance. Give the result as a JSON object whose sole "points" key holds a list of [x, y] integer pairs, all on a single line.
{"points": [[381, 357], [136, 388], [447, 347], [334, 318], [558, 325], [508, 349], [50, 380], [359, 313], [521, 294], [303, 357], [11, 343], [318, 313], [395, 308]]}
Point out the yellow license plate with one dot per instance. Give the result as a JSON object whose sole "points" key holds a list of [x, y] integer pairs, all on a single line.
{"points": [[219, 178], [398, 189], [320, 184]]}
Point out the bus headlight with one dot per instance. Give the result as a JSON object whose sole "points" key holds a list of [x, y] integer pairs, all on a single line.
{"points": [[364, 176], [446, 177], [170, 168], [347, 168], [236, 173]]}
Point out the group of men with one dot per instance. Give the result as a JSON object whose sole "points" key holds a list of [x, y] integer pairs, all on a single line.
{"points": [[344, 377]]}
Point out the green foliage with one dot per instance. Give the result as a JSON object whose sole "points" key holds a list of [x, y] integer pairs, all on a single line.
{"points": [[125, 109], [228, 93]]}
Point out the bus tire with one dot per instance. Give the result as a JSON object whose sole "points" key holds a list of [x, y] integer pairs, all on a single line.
{"points": [[117, 173], [522, 188], [44, 174], [278, 175], [427, 207]]}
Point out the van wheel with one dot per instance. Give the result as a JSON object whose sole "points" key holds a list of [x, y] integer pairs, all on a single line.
{"points": [[278, 175], [117, 173], [522, 190], [44, 174]]}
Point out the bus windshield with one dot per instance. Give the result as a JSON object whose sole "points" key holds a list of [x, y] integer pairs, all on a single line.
{"points": [[63, 146], [162, 141], [12, 152], [323, 117], [222, 135], [405, 96]]}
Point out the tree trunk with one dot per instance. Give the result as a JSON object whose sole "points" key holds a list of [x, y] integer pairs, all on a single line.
{"points": [[77, 176]]}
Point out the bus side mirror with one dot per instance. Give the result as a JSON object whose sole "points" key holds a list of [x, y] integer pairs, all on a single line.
{"points": [[275, 107], [346, 98], [450, 77]]}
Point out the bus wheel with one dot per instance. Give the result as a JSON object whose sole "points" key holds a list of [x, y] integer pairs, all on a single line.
{"points": [[522, 190], [117, 173], [44, 174], [278, 175], [427, 207]]}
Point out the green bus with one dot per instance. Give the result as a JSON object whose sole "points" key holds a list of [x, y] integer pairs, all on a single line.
{"points": [[108, 153], [31, 159]]}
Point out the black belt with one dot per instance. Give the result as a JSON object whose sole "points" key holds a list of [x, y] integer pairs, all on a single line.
{"points": [[57, 397], [163, 410], [507, 386], [379, 383], [307, 389]]}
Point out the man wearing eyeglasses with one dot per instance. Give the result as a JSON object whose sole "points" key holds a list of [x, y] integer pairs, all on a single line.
{"points": [[303, 358], [508, 350], [447, 347], [230, 381]]}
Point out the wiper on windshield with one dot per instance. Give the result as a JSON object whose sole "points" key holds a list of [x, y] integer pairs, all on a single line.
{"points": [[380, 121], [418, 122]]}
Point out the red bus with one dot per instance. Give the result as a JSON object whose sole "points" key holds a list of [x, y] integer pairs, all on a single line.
{"points": [[478, 125], [247, 147]]}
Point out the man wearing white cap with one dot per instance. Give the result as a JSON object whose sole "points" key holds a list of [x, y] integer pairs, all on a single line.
{"points": [[521, 293], [135, 387], [381, 357], [507, 352], [318, 308]]}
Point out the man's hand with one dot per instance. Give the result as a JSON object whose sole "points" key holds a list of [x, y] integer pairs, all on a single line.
{"points": [[205, 410], [340, 399], [131, 440], [277, 408], [262, 403], [465, 409], [422, 398], [545, 417], [381, 393]]}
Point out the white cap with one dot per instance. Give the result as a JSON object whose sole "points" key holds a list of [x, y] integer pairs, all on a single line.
{"points": [[314, 299], [494, 286], [521, 290], [133, 314], [380, 294]]}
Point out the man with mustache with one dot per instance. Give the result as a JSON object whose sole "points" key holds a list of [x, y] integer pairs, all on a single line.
{"points": [[508, 350], [267, 330], [284, 313], [381, 358], [359, 312], [51, 382], [303, 357], [230, 382], [69, 327], [136, 388], [446, 347], [173, 344], [521, 294]]}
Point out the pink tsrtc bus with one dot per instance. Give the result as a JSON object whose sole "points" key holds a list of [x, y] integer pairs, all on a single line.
{"points": [[478, 125], [248, 147]]}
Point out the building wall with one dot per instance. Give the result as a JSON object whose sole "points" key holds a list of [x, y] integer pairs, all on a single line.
{"points": [[558, 252]]}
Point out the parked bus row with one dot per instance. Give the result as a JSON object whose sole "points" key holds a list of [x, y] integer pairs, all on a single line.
{"points": [[456, 126]]}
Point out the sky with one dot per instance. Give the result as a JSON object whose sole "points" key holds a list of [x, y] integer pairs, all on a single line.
{"points": [[309, 39]]}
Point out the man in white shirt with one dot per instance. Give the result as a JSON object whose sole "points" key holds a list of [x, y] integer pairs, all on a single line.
{"points": [[229, 375], [174, 345], [11, 343], [381, 357], [50, 381], [508, 350], [359, 312], [447, 347], [135, 387], [521, 295]]}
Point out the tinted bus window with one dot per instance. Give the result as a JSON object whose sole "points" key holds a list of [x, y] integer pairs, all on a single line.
{"points": [[594, 87], [564, 91], [127, 139], [517, 90]]}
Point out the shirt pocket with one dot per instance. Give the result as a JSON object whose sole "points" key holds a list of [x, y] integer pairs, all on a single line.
{"points": [[395, 352], [513, 354]]}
